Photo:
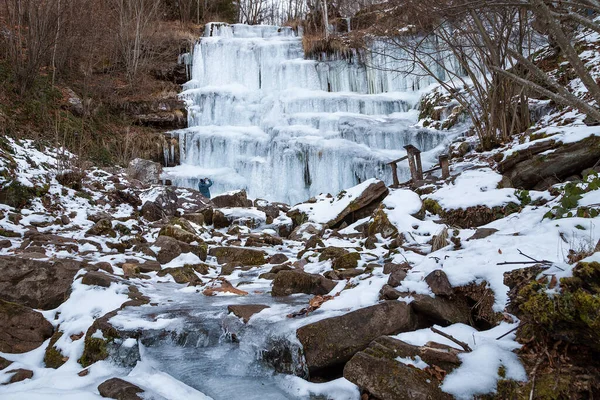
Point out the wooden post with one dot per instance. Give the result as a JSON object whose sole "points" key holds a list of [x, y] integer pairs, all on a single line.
{"points": [[414, 163], [445, 165], [395, 174]]}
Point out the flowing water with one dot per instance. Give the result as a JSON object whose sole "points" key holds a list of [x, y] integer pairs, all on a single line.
{"points": [[264, 118]]}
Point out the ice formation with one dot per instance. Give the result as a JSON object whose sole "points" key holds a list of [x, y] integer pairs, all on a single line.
{"points": [[264, 118]]}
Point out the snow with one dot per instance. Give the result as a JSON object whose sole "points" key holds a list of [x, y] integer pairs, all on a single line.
{"points": [[478, 373], [415, 362], [474, 188]]}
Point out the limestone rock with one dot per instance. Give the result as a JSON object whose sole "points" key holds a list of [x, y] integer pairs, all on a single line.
{"points": [[331, 342], [290, 282], [21, 328]]}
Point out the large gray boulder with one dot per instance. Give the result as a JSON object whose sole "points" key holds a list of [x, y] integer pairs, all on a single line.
{"points": [[145, 171], [330, 343], [34, 283]]}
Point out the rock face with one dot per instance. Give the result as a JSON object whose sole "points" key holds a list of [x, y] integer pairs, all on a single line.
{"points": [[330, 343], [145, 171], [119, 389], [442, 310], [232, 199], [377, 370], [237, 254], [290, 282], [21, 328], [36, 284], [245, 311]]}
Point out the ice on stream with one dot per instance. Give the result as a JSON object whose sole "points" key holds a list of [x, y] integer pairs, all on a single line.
{"points": [[263, 118]]}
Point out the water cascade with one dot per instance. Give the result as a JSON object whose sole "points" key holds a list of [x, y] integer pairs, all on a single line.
{"points": [[264, 118]]}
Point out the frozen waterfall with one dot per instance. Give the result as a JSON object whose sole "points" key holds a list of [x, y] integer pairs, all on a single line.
{"points": [[263, 118]]}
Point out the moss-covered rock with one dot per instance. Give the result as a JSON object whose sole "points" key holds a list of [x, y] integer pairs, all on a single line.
{"points": [[382, 225], [244, 256], [102, 228], [185, 274], [331, 253], [53, 358], [347, 261], [17, 195]]}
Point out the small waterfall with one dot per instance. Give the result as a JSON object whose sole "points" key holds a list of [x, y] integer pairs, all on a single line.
{"points": [[263, 118]]}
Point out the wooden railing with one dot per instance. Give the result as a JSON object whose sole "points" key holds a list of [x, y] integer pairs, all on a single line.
{"points": [[416, 167]]}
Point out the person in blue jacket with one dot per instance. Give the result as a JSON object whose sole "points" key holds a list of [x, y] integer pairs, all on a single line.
{"points": [[203, 187]]}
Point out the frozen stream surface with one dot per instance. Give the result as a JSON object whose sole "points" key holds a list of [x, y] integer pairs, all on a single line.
{"points": [[205, 357]]}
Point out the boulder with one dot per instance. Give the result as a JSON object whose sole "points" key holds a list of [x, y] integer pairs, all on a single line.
{"points": [[330, 343], [388, 268], [219, 220], [145, 171], [331, 253], [97, 278], [104, 341], [439, 283], [306, 231], [389, 293], [482, 233], [149, 266], [378, 371], [119, 389], [222, 285], [291, 282], [21, 328], [19, 375], [263, 240], [347, 261], [278, 259], [197, 218], [185, 274], [35, 283], [396, 277], [164, 205], [441, 310], [382, 225], [171, 248], [245, 311], [102, 228], [362, 206], [232, 199], [244, 256], [4, 363]]}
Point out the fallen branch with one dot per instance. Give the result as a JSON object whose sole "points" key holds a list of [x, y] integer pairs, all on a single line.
{"points": [[449, 337], [533, 261], [511, 331]]}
